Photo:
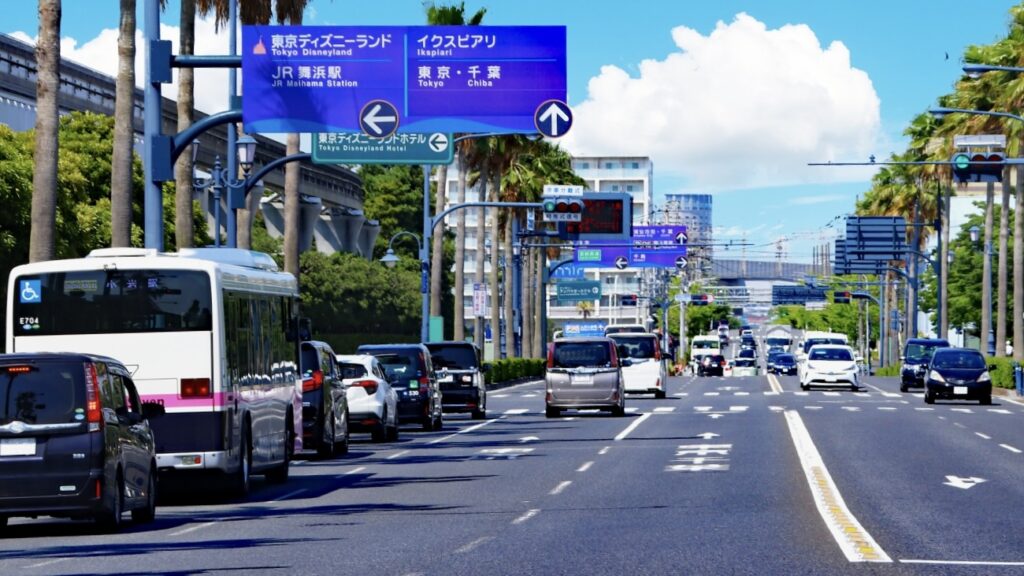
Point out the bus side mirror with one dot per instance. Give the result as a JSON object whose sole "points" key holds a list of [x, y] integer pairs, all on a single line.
{"points": [[299, 329]]}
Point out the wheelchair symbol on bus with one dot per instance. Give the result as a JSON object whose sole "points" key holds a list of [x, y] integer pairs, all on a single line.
{"points": [[31, 292]]}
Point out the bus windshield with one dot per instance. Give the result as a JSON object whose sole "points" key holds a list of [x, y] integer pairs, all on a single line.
{"points": [[706, 344], [113, 302]]}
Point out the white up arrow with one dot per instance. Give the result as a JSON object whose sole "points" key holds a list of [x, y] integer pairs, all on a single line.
{"points": [[962, 483], [555, 114], [707, 435], [371, 119]]}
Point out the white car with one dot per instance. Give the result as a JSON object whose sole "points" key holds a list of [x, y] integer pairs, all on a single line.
{"points": [[647, 373], [372, 402], [829, 365]]}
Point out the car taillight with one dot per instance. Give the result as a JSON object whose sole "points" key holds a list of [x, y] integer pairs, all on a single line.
{"points": [[93, 414], [314, 382], [195, 388], [657, 351], [369, 385], [424, 386], [551, 355]]}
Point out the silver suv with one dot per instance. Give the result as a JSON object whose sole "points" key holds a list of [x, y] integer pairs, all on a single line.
{"points": [[584, 373]]}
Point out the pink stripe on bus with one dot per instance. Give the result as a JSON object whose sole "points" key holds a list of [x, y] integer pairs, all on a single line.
{"points": [[176, 401]]}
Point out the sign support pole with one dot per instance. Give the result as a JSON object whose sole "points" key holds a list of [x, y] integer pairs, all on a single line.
{"points": [[517, 288], [153, 206], [232, 228], [425, 259]]}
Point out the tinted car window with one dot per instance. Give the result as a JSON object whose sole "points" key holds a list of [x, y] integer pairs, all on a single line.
{"points": [[785, 359], [636, 346], [401, 365], [456, 357], [963, 360], [53, 393], [920, 352], [352, 370], [748, 354], [310, 359], [813, 342], [118, 301], [576, 354], [831, 354]]}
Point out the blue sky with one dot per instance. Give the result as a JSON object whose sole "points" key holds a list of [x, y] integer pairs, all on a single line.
{"points": [[747, 138]]}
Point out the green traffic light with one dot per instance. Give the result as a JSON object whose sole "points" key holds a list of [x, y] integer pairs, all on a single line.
{"points": [[549, 205], [961, 161]]}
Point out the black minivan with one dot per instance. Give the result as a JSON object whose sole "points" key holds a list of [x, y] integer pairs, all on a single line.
{"points": [[460, 376], [74, 440], [411, 373], [324, 400], [916, 354]]}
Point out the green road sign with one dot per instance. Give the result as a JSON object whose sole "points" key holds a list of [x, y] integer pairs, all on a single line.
{"points": [[399, 148], [571, 292], [588, 255]]}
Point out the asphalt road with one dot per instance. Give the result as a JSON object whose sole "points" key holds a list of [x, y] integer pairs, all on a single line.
{"points": [[725, 476]]}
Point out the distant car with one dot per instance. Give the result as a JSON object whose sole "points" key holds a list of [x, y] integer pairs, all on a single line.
{"points": [[372, 402], [75, 440], [584, 373], [748, 353], [748, 342], [324, 403], [956, 373], [411, 373], [744, 367], [713, 365], [461, 377], [723, 334], [647, 374], [830, 365], [916, 354], [620, 328], [784, 364]]}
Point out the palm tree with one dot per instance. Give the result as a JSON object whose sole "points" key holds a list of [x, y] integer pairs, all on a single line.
{"points": [[44, 175], [124, 131], [585, 308], [183, 232], [290, 11]]}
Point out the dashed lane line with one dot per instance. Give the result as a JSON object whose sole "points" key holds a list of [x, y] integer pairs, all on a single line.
{"points": [[48, 563], [1010, 448], [352, 471], [516, 411], [664, 409], [463, 431], [290, 494], [604, 450], [561, 486], [632, 426], [961, 562], [473, 544], [397, 455], [586, 466], [193, 528], [984, 436], [526, 516], [855, 542]]}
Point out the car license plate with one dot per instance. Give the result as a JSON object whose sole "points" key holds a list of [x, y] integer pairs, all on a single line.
{"points": [[830, 378], [582, 380], [960, 390], [17, 447]]}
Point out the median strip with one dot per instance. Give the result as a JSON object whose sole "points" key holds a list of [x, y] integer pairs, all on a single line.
{"points": [[853, 539]]}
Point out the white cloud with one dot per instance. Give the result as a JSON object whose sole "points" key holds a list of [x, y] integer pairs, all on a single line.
{"points": [[743, 106], [100, 54], [736, 231], [817, 199]]}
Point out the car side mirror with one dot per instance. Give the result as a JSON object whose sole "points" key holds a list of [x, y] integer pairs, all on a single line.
{"points": [[152, 410], [991, 367], [626, 362]]}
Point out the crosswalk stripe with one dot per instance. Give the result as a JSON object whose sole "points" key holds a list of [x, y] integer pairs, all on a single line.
{"points": [[665, 409], [516, 411]]}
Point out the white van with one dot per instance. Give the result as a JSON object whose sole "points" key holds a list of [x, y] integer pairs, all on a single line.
{"points": [[701, 346]]}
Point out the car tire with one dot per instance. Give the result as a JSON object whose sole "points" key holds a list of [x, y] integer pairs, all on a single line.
{"points": [[380, 432], [479, 414], [439, 422], [986, 400], [110, 520], [341, 448], [929, 398], [659, 395], [550, 412], [392, 431], [804, 387], [904, 388], [325, 449], [147, 513]]}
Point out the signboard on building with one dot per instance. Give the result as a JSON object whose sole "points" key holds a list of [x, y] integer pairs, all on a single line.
{"points": [[417, 78]]}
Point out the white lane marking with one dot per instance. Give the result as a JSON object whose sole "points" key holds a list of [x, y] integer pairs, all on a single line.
{"points": [[192, 529], [743, 393], [870, 385], [804, 393], [959, 425], [702, 408], [632, 410], [516, 411], [499, 395], [812, 407], [665, 409], [47, 563], [529, 514], [773, 382], [851, 408], [980, 435], [961, 562], [849, 534], [508, 453], [463, 431], [352, 471], [586, 466], [831, 393], [297, 462], [711, 393], [530, 383], [771, 393], [963, 410], [891, 394], [681, 394], [632, 426], [1010, 448], [473, 544], [925, 409], [887, 408], [561, 486], [776, 408], [397, 455], [999, 411], [289, 495], [529, 395], [738, 408], [604, 450]]}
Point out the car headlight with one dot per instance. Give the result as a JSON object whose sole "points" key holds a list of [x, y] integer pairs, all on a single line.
{"points": [[984, 377], [933, 375]]}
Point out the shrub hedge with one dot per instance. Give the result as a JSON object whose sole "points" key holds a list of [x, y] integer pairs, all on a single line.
{"points": [[514, 369]]}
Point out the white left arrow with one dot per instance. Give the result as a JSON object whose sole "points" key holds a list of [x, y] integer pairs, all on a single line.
{"points": [[555, 114], [372, 119], [962, 483]]}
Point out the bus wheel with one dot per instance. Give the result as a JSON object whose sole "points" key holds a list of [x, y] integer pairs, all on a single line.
{"points": [[279, 474], [240, 482]]}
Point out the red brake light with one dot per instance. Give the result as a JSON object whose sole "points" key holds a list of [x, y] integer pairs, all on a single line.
{"points": [[314, 382], [369, 385], [424, 385], [196, 388], [18, 369], [614, 356], [657, 350], [93, 415], [551, 355]]}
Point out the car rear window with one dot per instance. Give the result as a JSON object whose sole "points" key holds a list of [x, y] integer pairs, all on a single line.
{"points": [[748, 354], [636, 346], [785, 358], [921, 352], [838, 354], [351, 370], [310, 359], [577, 354], [400, 364], [964, 360], [457, 357], [49, 393]]}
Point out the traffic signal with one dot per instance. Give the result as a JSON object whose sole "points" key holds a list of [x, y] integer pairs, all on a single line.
{"points": [[562, 209], [628, 300], [978, 166], [841, 297]]}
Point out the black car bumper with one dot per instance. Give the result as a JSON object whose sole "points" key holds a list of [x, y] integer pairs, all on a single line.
{"points": [[912, 378], [83, 503], [460, 399], [413, 409], [973, 391]]}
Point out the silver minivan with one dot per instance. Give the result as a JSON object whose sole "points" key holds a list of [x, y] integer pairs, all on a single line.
{"points": [[584, 373]]}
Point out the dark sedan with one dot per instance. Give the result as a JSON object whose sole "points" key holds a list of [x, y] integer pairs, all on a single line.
{"points": [[783, 364], [958, 373]]}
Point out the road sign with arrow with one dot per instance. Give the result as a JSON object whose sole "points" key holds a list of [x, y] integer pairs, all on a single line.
{"points": [[398, 148], [553, 118]]}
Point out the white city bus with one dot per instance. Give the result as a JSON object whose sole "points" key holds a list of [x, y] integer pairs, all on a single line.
{"points": [[208, 333]]}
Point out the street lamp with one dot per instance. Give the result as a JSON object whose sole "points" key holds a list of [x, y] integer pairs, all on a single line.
{"points": [[390, 259], [975, 236], [220, 179]]}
